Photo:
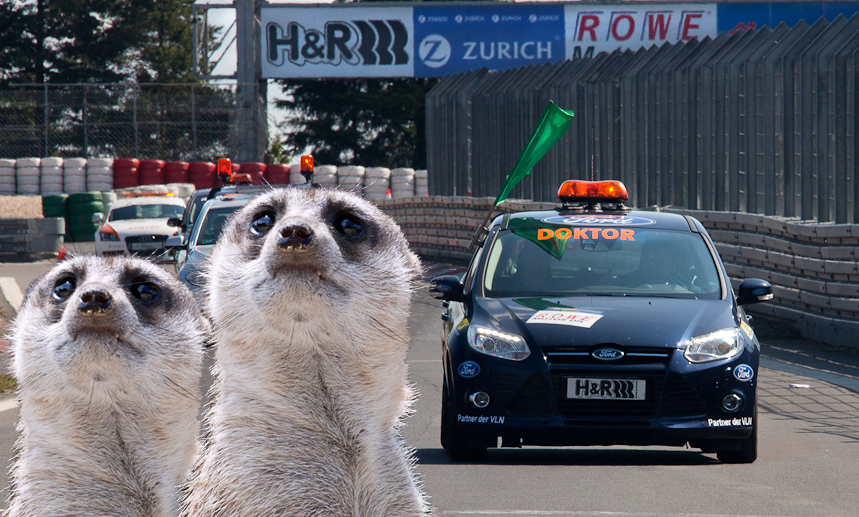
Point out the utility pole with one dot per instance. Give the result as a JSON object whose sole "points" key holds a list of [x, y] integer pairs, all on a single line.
{"points": [[251, 125]]}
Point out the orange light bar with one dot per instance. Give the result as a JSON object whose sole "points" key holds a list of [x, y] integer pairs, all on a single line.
{"points": [[241, 178], [306, 163], [225, 166], [576, 190]]}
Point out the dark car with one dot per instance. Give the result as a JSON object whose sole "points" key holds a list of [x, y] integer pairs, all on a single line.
{"points": [[593, 324]]}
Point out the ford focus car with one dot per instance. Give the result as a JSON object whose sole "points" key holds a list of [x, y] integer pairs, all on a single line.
{"points": [[593, 324], [137, 225]]}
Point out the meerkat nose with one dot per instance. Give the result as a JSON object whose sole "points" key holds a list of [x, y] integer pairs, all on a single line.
{"points": [[295, 237], [94, 302]]}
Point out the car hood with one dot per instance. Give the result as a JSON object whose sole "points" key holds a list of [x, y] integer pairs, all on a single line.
{"points": [[625, 321], [137, 226]]}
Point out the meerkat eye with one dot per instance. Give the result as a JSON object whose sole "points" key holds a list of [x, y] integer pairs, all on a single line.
{"points": [[144, 290], [262, 223], [63, 289], [348, 225]]}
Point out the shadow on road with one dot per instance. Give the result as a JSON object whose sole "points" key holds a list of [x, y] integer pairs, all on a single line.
{"points": [[577, 456]]}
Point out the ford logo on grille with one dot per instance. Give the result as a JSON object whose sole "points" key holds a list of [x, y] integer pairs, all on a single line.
{"points": [[607, 354]]}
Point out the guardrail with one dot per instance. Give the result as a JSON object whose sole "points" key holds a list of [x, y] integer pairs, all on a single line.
{"points": [[813, 267]]}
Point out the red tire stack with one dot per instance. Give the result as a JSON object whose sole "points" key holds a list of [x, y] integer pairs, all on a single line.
{"points": [[256, 170], [152, 172], [125, 172], [277, 174], [176, 172], [202, 174]]}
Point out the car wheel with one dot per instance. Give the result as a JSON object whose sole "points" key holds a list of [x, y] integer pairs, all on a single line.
{"points": [[748, 452], [456, 447]]}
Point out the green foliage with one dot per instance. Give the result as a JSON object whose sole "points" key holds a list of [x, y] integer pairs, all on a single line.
{"points": [[378, 122]]}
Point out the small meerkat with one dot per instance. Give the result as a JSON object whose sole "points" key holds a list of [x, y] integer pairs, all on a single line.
{"points": [[107, 353], [309, 293]]}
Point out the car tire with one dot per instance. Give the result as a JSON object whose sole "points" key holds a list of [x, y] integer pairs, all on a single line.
{"points": [[748, 452], [457, 448]]}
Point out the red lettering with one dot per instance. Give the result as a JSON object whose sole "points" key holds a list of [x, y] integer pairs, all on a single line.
{"points": [[656, 23], [630, 27], [579, 233], [688, 25], [588, 23]]}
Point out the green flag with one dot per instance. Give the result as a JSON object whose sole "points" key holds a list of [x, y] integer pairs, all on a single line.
{"points": [[553, 123]]}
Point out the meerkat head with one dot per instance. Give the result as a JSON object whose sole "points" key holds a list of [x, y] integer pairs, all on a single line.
{"points": [[296, 252], [99, 319]]}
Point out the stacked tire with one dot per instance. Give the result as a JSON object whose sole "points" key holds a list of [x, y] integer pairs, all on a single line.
{"points": [[402, 183], [176, 172], [151, 172], [376, 183], [126, 172], [55, 206], [27, 173], [8, 185], [51, 178], [74, 175], [81, 207], [325, 176], [99, 174], [256, 170], [351, 179], [202, 174], [278, 174], [421, 183], [295, 176]]}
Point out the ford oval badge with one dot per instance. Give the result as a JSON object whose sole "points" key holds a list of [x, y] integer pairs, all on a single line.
{"points": [[744, 373], [607, 354], [468, 369]]}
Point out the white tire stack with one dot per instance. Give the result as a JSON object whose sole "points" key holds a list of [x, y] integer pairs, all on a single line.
{"points": [[99, 174], [402, 183], [74, 175], [351, 178], [376, 183], [7, 178], [27, 172], [181, 190], [51, 177], [108, 197], [295, 177], [421, 183], [325, 175]]}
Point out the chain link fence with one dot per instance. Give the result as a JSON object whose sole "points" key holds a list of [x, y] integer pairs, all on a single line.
{"points": [[187, 122]]}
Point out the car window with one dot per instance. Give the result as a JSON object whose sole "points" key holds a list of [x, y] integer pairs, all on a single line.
{"points": [[194, 209], [213, 223], [600, 262], [145, 212]]}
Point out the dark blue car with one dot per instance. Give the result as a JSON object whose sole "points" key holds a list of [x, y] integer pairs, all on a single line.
{"points": [[593, 324]]}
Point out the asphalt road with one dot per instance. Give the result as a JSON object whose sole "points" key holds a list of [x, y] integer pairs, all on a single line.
{"points": [[807, 462]]}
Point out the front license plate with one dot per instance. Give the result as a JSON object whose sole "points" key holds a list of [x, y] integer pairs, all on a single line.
{"points": [[139, 246], [605, 389]]}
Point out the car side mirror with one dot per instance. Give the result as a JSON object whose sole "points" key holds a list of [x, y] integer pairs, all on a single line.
{"points": [[447, 287], [754, 290], [173, 243], [174, 222], [97, 218]]}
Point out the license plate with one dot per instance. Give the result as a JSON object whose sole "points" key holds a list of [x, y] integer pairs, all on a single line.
{"points": [[605, 389], [139, 246]]}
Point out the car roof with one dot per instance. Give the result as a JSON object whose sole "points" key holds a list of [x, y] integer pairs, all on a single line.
{"points": [[620, 218], [147, 200]]}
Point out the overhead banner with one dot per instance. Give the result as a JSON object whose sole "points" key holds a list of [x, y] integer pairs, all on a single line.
{"points": [[437, 39]]}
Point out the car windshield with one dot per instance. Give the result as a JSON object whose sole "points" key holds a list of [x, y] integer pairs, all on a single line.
{"points": [[600, 262], [145, 212], [212, 224]]}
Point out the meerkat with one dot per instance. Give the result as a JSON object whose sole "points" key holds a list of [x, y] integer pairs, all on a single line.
{"points": [[107, 353], [309, 294]]}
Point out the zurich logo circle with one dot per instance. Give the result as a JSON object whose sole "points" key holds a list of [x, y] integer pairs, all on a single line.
{"points": [[434, 50], [744, 373], [468, 369]]}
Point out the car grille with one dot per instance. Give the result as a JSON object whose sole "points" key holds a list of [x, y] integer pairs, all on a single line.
{"points": [[134, 244], [532, 399], [608, 412], [681, 401], [568, 355]]}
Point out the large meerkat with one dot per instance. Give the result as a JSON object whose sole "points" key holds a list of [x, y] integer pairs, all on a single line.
{"points": [[108, 358], [309, 294]]}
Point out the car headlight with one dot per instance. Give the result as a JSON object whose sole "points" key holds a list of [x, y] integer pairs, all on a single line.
{"points": [[498, 344], [722, 344], [106, 233]]}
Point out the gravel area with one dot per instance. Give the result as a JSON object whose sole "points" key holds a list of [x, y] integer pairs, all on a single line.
{"points": [[20, 207]]}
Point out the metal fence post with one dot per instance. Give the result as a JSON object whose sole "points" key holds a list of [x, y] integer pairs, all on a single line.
{"points": [[46, 120], [134, 111], [85, 147], [193, 123]]}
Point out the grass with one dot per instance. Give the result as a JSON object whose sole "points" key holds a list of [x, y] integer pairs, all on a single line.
{"points": [[7, 383]]}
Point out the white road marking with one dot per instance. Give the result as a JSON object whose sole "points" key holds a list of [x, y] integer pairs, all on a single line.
{"points": [[9, 289], [8, 404]]}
